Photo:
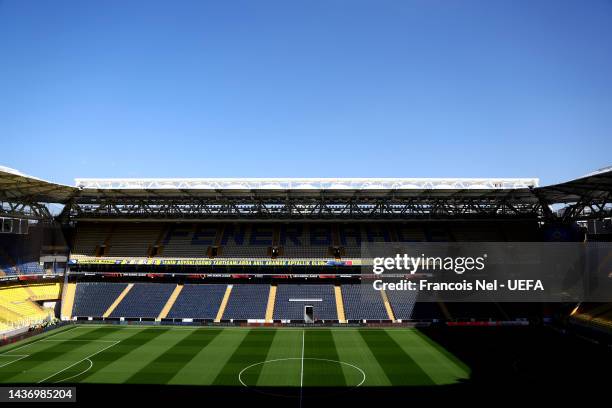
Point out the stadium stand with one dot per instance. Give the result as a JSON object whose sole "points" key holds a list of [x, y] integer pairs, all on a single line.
{"points": [[410, 233], [305, 240], [89, 238], [30, 268], [387, 305], [18, 307], [339, 304], [68, 294], [291, 299], [170, 302], [134, 235], [247, 302], [19, 255], [255, 240], [239, 241], [131, 239], [427, 311], [144, 300], [463, 232], [224, 302], [402, 303], [6, 267], [41, 292], [94, 298], [362, 302], [474, 311], [244, 241], [271, 302], [186, 240], [252, 302], [198, 302], [597, 316]]}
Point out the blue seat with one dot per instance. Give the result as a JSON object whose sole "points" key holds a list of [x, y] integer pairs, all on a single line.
{"points": [[247, 301], [92, 299], [145, 300], [363, 302], [198, 302]]}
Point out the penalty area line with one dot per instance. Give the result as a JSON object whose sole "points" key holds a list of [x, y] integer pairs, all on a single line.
{"points": [[80, 361], [21, 357], [38, 340]]}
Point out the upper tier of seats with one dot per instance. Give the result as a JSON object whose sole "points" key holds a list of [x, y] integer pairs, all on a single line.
{"points": [[20, 254], [294, 240]]}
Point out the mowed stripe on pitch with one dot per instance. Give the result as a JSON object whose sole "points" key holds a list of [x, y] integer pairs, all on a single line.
{"points": [[166, 365], [353, 349], [253, 349], [131, 339], [399, 367], [441, 366], [51, 355], [14, 348], [325, 371], [206, 365], [137, 358], [158, 355], [279, 371]]}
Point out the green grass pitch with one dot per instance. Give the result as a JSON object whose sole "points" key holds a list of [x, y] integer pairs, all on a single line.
{"points": [[283, 357]]}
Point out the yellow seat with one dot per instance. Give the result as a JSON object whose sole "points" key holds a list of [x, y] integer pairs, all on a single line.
{"points": [[18, 307]]}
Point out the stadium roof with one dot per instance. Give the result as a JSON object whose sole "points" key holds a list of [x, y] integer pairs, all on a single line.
{"points": [[16, 186], [596, 186], [298, 187], [248, 184]]}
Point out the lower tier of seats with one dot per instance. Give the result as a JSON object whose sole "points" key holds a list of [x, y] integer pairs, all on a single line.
{"points": [[19, 305], [261, 302]]}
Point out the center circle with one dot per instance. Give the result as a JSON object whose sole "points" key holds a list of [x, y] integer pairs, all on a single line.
{"points": [[296, 363]]}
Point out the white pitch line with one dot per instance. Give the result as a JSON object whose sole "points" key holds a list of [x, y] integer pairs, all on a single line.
{"points": [[36, 341], [302, 369], [363, 374], [80, 361], [76, 375], [9, 353], [89, 341], [21, 357]]}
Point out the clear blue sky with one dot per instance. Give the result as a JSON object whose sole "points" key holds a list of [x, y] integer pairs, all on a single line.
{"points": [[306, 88]]}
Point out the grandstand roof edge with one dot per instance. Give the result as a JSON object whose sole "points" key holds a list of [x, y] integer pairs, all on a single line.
{"points": [[305, 183], [596, 185], [15, 185]]}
